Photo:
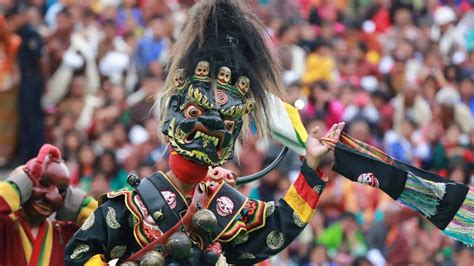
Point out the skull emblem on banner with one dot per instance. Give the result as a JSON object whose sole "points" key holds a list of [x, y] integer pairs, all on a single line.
{"points": [[368, 179], [224, 206]]}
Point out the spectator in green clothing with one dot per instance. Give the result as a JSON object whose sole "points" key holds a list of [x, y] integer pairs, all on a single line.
{"points": [[115, 174], [95, 185], [343, 236]]}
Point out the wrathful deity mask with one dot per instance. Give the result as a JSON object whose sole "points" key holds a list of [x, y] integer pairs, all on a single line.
{"points": [[205, 116]]}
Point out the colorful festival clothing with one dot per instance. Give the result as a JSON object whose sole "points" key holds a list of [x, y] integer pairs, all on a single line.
{"points": [[256, 231], [447, 204], [19, 246]]}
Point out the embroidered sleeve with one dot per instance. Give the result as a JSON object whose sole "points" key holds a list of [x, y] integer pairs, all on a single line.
{"points": [[88, 206], [9, 198], [265, 229], [303, 195], [105, 234]]}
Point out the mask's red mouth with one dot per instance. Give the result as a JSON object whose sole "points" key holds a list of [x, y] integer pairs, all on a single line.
{"points": [[42, 208]]}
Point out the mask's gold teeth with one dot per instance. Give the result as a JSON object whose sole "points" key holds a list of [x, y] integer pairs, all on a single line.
{"points": [[206, 138]]}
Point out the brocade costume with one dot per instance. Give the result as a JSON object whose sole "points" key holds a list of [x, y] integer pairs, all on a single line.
{"points": [[249, 230]]}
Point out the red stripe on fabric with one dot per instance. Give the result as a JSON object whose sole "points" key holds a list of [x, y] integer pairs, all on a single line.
{"points": [[306, 192], [322, 175], [4, 207], [366, 148], [43, 246], [237, 226], [12, 252], [258, 216], [132, 206], [37, 245], [60, 238]]}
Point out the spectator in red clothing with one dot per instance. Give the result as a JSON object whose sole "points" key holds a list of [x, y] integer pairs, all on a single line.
{"points": [[9, 81], [419, 256], [381, 102], [379, 13], [322, 104], [464, 256]]}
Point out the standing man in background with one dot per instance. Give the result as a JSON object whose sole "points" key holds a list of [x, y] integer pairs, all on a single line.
{"points": [[31, 135]]}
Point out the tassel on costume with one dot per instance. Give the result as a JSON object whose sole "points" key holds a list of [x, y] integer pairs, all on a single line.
{"points": [[447, 204], [422, 195], [461, 227]]}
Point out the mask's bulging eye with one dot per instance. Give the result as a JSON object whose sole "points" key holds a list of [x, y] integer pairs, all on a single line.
{"points": [[192, 112], [229, 125]]}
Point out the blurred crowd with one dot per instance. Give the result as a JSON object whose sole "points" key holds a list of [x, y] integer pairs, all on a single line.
{"points": [[82, 75]]}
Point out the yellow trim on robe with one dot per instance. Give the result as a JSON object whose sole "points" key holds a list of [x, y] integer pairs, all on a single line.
{"points": [[298, 204], [28, 246], [96, 260], [49, 244], [86, 211], [25, 242], [10, 195]]}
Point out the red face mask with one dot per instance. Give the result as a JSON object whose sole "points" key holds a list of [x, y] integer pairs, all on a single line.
{"points": [[49, 192]]}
